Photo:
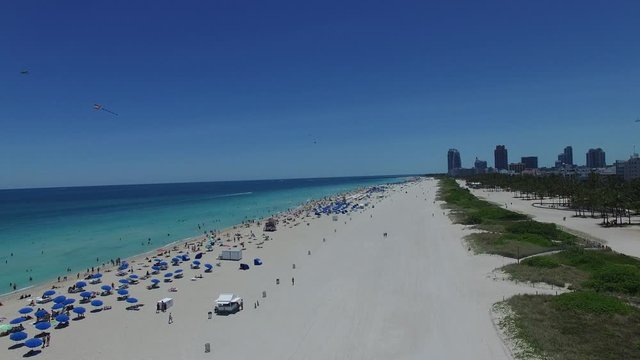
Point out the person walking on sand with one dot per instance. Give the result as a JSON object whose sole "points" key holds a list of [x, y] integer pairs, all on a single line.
{"points": [[170, 319], [293, 281]]}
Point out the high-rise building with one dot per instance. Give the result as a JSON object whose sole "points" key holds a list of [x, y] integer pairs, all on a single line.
{"points": [[632, 168], [568, 155], [516, 167], [501, 158], [480, 166], [530, 162], [596, 158], [453, 160]]}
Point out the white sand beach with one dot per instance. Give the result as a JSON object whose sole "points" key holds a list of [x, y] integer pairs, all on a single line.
{"points": [[416, 294], [625, 240]]}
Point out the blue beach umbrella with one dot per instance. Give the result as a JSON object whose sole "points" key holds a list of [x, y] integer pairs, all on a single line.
{"points": [[133, 276], [123, 281], [25, 310], [59, 299], [178, 271], [33, 343], [96, 276], [96, 303], [86, 294], [208, 266], [163, 263], [69, 301], [81, 284], [155, 281], [168, 275], [132, 300], [48, 293], [155, 268], [57, 306], [196, 263], [17, 320], [105, 287], [79, 310], [123, 292], [41, 313], [18, 336], [42, 326], [62, 318]]}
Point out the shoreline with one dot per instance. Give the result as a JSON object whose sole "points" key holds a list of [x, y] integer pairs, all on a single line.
{"points": [[107, 267]]}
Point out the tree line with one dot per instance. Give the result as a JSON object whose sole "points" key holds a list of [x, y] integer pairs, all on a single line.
{"points": [[608, 197]]}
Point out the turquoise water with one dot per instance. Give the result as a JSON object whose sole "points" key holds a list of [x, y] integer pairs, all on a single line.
{"points": [[45, 231]]}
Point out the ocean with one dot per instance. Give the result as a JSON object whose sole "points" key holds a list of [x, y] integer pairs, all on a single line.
{"points": [[45, 231]]}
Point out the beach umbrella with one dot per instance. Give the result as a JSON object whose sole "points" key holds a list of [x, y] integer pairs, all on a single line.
{"points": [[123, 292], [41, 313], [18, 336], [57, 306], [155, 281], [105, 287], [132, 300], [69, 301], [196, 262], [155, 268], [79, 310], [25, 310], [123, 281], [176, 259], [178, 271], [48, 293], [33, 343], [96, 276], [17, 320], [81, 284], [163, 263], [133, 276], [5, 327], [86, 294], [62, 318], [96, 303], [168, 275], [59, 299], [42, 326], [208, 266]]}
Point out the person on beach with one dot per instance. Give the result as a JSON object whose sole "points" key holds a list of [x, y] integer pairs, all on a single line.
{"points": [[293, 281], [170, 319]]}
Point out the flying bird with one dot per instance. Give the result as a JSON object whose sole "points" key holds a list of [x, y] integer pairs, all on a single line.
{"points": [[24, 72], [100, 107]]}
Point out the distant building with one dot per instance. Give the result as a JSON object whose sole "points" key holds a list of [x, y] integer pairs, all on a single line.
{"points": [[632, 168], [620, 164], [530, 162], [567, 155], [596, 158], [516, 167], [501, 157], [453, 160], [480, 166]]}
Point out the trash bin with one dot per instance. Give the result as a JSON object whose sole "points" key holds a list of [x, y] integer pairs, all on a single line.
{"points": [[210, 314]]}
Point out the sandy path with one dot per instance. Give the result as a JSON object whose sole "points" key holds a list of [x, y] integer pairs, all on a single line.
{"points": [[624, 240], [416, 294]]}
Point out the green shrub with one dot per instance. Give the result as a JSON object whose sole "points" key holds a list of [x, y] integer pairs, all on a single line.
{"points": [[591, 302], [541, 262], [616, 278]]}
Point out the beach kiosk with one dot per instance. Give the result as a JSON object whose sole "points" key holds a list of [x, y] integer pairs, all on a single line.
{"points": [[164, 304], [270, 225], [231, 254], [228, 304]]}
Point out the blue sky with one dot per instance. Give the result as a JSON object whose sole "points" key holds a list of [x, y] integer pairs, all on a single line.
{"points": [[223, 90]]}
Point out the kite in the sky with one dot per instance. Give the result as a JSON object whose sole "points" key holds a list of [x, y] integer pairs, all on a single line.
{"points": [[100, 107]]}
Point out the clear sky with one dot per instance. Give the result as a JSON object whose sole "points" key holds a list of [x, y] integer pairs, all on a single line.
{"points": [[233, 89]]}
